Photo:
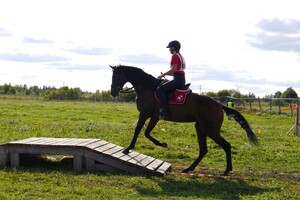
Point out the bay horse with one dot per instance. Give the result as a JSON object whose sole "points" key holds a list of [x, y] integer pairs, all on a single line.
{"points": [[206, 112]]}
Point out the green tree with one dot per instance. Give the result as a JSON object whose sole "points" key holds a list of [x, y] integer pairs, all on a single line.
{"points": [[211, 94], [277, 94], [289, 93]]}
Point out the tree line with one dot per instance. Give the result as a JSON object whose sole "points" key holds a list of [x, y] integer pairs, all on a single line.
{"points": [[63, 93], [67, 93]]}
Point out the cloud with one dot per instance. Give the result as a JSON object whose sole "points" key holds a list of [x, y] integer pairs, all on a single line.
{"points": [[287, 26], [91, 51], [142, 59], [21, 57], [284, 43], [38, 41], [4, 32], [277, 35], [205, 72], [69, 67]]}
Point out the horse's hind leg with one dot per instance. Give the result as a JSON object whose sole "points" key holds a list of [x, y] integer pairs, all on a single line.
{"points": [[213, 131], [152, 123], [202, 147], [217, 138]]}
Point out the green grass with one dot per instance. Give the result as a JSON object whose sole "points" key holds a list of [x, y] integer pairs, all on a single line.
{"points": [[268, 171]]}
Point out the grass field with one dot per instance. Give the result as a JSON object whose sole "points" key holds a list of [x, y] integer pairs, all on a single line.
{"points": [[268, 171]]}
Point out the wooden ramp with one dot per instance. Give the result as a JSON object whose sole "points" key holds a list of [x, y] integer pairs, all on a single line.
{"points": [[89, 154]]}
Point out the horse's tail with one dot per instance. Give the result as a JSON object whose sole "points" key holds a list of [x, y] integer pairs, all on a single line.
{"points": [[243, 122]]}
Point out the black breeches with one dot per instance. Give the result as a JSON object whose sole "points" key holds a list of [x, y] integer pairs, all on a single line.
{"points": [[168, 87]]}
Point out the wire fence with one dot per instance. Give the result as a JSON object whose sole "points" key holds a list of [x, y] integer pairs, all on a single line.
{"points": [[263, 105]]}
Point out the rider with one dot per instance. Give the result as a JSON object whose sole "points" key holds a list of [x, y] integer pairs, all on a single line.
{"points": [[177, 66]]}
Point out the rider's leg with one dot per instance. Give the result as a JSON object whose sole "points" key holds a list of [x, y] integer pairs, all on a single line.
{"points": [[163, 89]]}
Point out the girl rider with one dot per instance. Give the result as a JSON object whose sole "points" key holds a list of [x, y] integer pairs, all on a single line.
{"points": [[177, 66]]}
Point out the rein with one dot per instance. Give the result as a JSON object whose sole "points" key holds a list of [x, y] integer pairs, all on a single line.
{"points": [[131, 89], [128, 90]]}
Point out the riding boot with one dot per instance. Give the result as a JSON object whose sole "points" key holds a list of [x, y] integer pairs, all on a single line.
{"points": [[164, 110]]}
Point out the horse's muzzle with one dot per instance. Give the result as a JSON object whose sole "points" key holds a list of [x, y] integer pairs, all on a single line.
{"points": [[115, 92]]}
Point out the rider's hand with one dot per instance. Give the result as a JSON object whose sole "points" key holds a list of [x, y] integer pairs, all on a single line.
{"points": [[160, 76]]}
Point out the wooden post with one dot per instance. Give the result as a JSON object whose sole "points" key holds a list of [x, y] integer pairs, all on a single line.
{"points": [[259, 104], [297, 120], [291, 108], [270, 104], [296, 125], [3, 155], [15, 159], [78, 163]]}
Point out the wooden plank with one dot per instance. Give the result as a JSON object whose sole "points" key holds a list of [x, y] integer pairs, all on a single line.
{"points": [[137, 160], [42, 141], [163, 168], [69, 142], [118, 154], [114, 162], [96, 144], [155, 164], [15, 159], [75, 142], [44, 149], [146, 161], [61, 141], [88, 141], [58, 141], [105, 147], [90, 164], [129, 156], [25, 141], [113, 150], [106, 168]]}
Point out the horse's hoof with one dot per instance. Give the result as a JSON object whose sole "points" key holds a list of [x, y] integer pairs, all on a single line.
{"points": [[226, 173], [164, 145], [126, 151], [186, 171]]}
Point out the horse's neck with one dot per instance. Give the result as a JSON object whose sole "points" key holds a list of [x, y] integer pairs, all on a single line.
{"points": [[142, 81]]}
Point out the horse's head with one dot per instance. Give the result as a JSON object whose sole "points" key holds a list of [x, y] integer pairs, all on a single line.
{"points": [[118, 80]]}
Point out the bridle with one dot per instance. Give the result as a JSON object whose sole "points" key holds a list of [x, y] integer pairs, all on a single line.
{"points": [[132, 89]]}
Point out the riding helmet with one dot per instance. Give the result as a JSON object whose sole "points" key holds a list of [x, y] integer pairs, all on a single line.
{"points": [[174, 44]]}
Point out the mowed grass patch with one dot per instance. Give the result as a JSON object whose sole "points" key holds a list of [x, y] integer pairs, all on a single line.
{"points": [[267, 171]]}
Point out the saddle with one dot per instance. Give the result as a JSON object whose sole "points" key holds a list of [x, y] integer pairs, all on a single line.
{"points": [[177, 97]]}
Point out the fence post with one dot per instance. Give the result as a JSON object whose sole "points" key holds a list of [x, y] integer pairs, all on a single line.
{"points": [[296, 125], [297, 120], [259, 104]]}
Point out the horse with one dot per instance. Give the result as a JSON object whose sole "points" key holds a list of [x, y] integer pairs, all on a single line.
{"points": [[206, 112]]}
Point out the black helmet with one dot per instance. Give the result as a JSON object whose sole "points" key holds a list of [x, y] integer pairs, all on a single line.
{"points": [[174, 44]]}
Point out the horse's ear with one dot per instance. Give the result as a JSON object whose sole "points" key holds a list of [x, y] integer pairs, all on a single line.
{"points": [[112, 67]]}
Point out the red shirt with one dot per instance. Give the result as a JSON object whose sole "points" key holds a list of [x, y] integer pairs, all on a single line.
{"points": [[179, 61]]}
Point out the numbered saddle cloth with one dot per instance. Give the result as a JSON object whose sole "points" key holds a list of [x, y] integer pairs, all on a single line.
{"points": [[177, 97]]}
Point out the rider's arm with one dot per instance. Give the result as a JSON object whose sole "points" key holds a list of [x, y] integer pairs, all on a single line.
{"points": [[171, 72]]}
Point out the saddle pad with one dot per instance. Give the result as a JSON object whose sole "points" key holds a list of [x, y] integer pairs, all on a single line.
{"points": [[177, 97]]}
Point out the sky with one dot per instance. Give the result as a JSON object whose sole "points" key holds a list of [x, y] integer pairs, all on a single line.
{"points": [[252, 46]]}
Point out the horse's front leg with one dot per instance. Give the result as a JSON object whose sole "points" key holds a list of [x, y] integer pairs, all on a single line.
{"points": [[139, 126], [152, 123]]}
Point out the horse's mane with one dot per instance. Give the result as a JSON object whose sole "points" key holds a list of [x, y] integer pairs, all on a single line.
{"points": [[137, 74]]}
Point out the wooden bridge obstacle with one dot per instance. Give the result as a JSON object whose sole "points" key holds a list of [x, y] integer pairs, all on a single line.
{"points": [[88, 154]]}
